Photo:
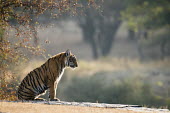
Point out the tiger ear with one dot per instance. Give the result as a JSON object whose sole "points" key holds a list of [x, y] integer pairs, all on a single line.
{"points": [[67, 53]]}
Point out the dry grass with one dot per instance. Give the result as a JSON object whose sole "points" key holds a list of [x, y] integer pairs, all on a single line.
{"points": [[108, 64], [118, 64], [10, 107]]}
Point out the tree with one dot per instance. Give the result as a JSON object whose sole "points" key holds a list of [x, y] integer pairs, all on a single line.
{"points": [[144, 16], [147, 14], [20, 16], [99, 26]]}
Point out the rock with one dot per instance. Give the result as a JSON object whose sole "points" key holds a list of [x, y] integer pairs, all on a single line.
{"points": [[100, 105]]}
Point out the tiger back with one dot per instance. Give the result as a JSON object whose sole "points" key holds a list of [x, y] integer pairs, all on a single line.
{"points": [[47, 76]]}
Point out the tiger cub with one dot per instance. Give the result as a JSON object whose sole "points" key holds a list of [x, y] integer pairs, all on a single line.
{"points": [[47, 76]]}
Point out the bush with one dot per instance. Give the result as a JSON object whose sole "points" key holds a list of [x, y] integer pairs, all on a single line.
{"points": [[8, 88], [109, 89]]}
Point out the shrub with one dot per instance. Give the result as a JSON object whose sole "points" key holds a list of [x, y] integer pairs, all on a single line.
{"points": [[110, 89]]}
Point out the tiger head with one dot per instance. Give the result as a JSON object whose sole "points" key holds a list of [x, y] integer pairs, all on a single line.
{"points": [[71, 60]]}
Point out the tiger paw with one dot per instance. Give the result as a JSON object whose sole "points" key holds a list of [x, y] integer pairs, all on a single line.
{"points": [[40, 99], [55, 99]]}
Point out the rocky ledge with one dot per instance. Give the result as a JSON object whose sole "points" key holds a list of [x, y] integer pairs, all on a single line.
{"points": [[101, 105]]}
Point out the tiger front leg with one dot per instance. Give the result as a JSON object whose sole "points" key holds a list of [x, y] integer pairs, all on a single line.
{"points": [[52, 92]]}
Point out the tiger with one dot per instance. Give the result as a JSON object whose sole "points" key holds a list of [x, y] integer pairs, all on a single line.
{"points": [[46, 77]]}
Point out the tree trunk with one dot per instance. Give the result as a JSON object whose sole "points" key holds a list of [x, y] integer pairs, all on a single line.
{"points": [[88, 29], [109, 33]]}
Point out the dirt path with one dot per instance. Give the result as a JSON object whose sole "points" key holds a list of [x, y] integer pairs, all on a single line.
{"points": [[6, 107], [19, 107]]}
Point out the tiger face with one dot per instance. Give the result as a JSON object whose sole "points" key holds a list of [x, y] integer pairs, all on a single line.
{"points": [[71, 60]]}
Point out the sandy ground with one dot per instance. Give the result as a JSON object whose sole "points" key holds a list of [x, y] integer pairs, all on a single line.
{"points": [[10, 107]]}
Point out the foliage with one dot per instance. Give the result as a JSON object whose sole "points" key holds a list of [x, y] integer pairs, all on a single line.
{"points": [[106, 89], [19, 17], [9, 85], [145, 17], [147, 14], [21, 10], [118, 80], [11, 55]]}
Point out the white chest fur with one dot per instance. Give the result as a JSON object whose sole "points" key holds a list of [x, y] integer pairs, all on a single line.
{"points": [[60, 75]]}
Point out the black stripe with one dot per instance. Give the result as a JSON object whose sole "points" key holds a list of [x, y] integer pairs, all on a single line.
{"points": [[23, 83], [52, 74], [30, 89], [45, 71], [57, 65], [40, 76], [27, 81], [37, 78], [30, 79], [46, 79], [19, 96], [48, 60], [61, 68], [40, 71], [45, 87], [26, 92], [50, 71], [32, 82], [59, 56], [45, 67], [26, 95]]}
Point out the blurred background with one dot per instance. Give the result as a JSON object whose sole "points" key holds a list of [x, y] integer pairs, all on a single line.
{"points": [[122, 47]]}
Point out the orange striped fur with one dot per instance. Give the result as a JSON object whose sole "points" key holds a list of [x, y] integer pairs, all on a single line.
{"points": [[47, 76]]}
